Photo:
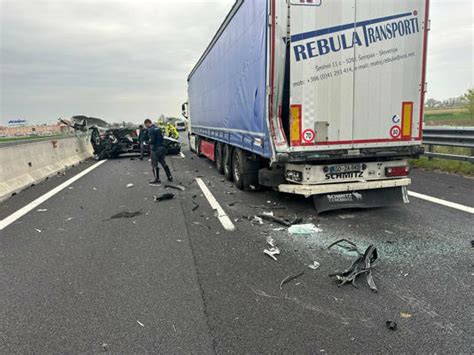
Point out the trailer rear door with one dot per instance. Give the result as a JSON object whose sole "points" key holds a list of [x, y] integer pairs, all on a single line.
{"points": [[357, 73]]}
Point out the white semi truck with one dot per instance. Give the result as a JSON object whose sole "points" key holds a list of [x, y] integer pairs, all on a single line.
{"points": [[322, 98]]}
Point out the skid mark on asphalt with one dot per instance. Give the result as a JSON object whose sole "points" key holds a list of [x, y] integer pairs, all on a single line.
{"points": [[32, 205], [221, 215], [304, 305], [442, 202]]}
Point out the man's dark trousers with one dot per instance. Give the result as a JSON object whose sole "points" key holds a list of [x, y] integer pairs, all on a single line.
{"points": [[158, 156]]}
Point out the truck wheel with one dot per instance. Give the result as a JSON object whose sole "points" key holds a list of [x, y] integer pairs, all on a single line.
{"points": [[227, 160], [219, 156]]}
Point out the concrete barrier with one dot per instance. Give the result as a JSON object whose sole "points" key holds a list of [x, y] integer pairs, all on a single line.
{"points": [[26, 164]]}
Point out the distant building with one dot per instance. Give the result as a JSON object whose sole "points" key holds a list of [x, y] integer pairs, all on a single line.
{"points": [[33, 130]]}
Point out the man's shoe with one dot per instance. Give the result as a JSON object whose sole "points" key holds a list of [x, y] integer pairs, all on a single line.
{"points": [[156, 182], [170, 178]]}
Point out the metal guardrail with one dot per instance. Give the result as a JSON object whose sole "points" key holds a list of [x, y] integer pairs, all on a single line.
{"points": [[462, 137]]}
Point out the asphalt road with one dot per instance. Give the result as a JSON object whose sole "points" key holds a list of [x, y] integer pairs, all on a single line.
{"points": [[173, 280]]}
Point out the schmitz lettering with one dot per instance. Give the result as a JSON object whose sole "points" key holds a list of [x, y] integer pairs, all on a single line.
{"points": [[346, 175]]}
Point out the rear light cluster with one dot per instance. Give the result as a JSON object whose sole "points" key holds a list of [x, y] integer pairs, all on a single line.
{"points": [[397, 171], [293, 175]]}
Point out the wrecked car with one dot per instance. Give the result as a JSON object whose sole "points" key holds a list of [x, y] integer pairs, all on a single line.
{"points": [[112, 142]]}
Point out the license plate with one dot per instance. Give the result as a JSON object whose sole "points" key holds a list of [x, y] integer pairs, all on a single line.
{"points": [[345, 168]]}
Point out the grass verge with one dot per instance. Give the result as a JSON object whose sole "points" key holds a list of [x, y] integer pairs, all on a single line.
{"points": [[450, 166]]}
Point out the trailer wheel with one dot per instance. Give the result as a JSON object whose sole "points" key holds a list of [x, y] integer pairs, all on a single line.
{"points": [[238, 158], [219, 157], [245, 170], [227, 160]]}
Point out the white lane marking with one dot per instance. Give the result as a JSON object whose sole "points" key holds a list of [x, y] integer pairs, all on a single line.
{"points": [[32, 205], [221, 215], [442, 202]]}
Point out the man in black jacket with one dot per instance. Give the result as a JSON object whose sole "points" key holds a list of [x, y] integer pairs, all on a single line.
{"points": [[158, 152]]}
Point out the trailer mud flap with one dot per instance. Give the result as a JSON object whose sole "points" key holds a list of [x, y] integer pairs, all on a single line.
{"points": [[361, 199]]}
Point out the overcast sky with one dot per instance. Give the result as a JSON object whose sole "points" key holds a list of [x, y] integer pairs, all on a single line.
{"points": [[129, 59]]}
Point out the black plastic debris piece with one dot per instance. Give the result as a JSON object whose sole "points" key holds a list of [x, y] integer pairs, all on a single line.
{"points": [[362, 265], [275, 219], [391, 325], [125, 214], [231, 204], [351, 247], [170, 186], [263, 207], [196, 206], [163, 197], [290, 278]]}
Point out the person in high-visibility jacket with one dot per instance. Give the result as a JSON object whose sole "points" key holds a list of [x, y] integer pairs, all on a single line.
{"points": [[171, 131]]}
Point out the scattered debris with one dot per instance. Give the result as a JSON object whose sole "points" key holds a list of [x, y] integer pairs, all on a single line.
{"points": [[290, 278], [304, 229], [279, 229], [391, 325], [42, 210], [196, 206], [163, 197], [405, 315], [230, 192], [180, 188], [272, 252], [257, 219], [362, 265], [270, 217], [130, 185], [105, 347], [252, 187], [38, 230], [352, 247], [124, 214], [174, 328], [271, 241], [140, 323], [69, 219], [71, 188], [274, 207], [346, 216], [472, 243], [232, 203], [202, 225], [314, 265]]}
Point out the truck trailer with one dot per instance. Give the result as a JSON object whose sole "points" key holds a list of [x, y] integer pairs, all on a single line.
{"points": [[321, 98]]}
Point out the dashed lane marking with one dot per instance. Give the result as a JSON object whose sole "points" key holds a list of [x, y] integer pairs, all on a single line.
{"points": [[221, 215], [442, 202], [32, 205]]}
